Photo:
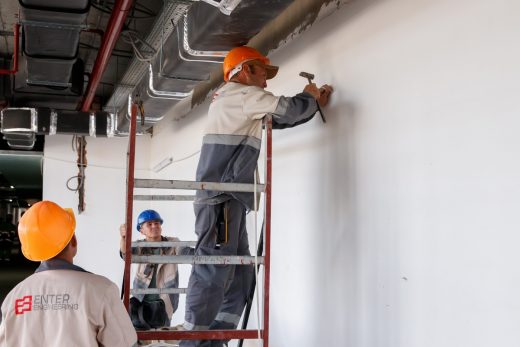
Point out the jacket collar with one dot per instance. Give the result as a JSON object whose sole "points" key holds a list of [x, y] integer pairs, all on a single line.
{"points": [[57, 264]]}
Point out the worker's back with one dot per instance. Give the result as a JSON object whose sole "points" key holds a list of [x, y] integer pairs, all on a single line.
{"points": [[62, 305]]}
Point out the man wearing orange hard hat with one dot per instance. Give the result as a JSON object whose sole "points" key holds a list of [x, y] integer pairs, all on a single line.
{"points": [[230, 148], [61, 304]]}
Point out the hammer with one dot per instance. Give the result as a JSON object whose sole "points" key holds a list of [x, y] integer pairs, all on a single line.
{"points": [[309, 78]]}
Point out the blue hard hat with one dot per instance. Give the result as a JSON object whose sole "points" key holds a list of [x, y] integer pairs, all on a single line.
{"points": [[148, 215]]}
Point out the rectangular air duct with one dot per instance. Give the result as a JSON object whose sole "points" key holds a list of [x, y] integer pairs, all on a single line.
{"points": [[20, 125], [51, 32]]}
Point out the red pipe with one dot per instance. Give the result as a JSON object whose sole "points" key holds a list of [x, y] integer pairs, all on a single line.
{"points": [[15, 53], [114, 27]]}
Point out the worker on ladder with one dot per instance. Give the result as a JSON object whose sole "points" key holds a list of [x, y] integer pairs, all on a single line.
{"points": [[61, 304], [230, 149]]}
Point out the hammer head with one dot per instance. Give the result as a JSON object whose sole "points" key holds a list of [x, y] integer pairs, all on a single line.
{"points": [[307, 75]]}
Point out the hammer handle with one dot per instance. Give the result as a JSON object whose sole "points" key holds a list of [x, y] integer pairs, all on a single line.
{"points": [[319, 108], [321, 112]]}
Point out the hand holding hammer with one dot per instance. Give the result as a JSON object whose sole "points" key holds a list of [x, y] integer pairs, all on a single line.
{"points": [[321, 95]]}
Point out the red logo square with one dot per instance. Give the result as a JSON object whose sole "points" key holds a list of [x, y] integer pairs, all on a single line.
{"points": [[23, 305]]}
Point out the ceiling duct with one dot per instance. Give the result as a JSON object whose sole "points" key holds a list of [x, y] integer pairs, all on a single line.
{"points": [[50, 40], [21, 125], [163, 26]]}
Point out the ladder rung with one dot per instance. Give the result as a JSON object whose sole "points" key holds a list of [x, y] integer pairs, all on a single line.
{"points": [[197, 259], [193, 185], [163, 244], [198, 334], [159, 291], [164, 197]]}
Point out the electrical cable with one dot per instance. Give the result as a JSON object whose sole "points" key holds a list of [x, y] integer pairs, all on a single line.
{"points": [[112, 167], [80, 183], [132, 37], [118, 52], [89, 165], [80, 177]]}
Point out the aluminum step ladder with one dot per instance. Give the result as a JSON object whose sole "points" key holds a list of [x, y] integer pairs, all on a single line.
{"points": [[264, 260]]}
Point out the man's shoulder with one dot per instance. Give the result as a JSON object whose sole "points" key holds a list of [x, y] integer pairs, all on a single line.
{"points": [[80, 278]]}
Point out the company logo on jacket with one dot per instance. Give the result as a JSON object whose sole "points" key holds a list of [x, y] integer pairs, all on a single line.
{"points": [[22, 305], [46, 302]]}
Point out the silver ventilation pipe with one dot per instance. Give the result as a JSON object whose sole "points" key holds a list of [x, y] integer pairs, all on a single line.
{"points": [[20, 126]]}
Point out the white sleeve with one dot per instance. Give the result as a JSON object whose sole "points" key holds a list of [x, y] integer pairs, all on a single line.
{"points": [[258, 102]]}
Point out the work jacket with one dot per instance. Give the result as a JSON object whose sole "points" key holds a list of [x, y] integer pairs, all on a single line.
{"points": [[232, 139], [63, 305], [167, 275]]}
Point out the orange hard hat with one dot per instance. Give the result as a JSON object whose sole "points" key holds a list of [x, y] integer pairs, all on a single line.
{"points": [[239, 55], [45, 230]]}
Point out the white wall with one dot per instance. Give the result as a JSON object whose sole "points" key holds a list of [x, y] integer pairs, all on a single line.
{"points": [[396, 223], [97, 228]]}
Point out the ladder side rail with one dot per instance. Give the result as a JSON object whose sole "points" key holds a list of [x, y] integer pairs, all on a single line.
{"points": [[267, 237], [129, 205], [249, 302]]}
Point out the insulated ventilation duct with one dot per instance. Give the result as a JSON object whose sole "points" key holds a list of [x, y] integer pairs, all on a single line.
{"points": [[50, 41], [21, 125]]}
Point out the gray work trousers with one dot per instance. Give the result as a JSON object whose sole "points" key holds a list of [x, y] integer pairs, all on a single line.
{"points": [[217, 294]]}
